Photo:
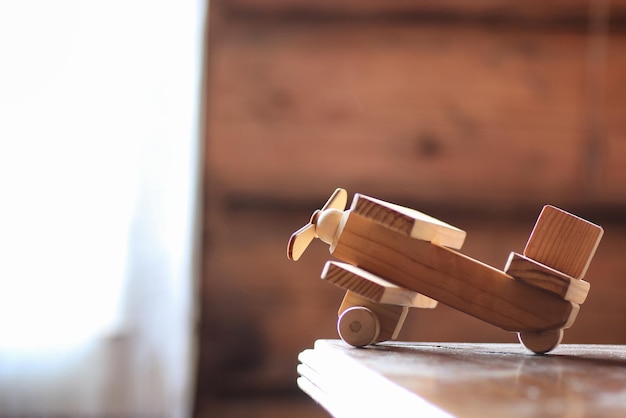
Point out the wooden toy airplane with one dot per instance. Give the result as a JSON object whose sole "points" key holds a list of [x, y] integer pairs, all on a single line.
{"points": [[396, 258]]}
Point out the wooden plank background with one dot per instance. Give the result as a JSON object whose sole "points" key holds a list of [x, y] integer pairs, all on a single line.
{"points": [[475, 112]]}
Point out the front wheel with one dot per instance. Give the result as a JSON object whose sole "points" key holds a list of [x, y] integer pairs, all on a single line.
{"points": [[358, 326]]}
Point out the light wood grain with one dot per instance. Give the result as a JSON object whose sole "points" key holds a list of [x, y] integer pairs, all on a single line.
{"points": [[391, 317], [409, 222], [451, 278], [469, 380], [372, 287], [563, 241], [543, 277]]}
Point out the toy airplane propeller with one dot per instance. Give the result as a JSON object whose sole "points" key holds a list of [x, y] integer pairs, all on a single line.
{"points": [[395, 258], [323, 224]]}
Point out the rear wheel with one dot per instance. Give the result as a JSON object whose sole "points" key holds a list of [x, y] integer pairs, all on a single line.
{"points": [[540, 342]]}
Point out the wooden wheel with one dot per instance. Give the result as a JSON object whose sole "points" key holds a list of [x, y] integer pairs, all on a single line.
{"points": [[540, 342], [358, 326]]}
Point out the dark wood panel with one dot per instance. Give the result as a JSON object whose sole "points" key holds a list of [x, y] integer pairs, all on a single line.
{"points": [[445, 105], [533, 15], [494, 9], [610, 116], [463, 117]]}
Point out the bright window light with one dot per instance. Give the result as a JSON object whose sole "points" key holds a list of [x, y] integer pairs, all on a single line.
{"points": [[83, 98]]}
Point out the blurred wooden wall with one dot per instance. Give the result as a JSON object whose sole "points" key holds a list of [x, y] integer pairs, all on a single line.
{"points": [[477, 112]]}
